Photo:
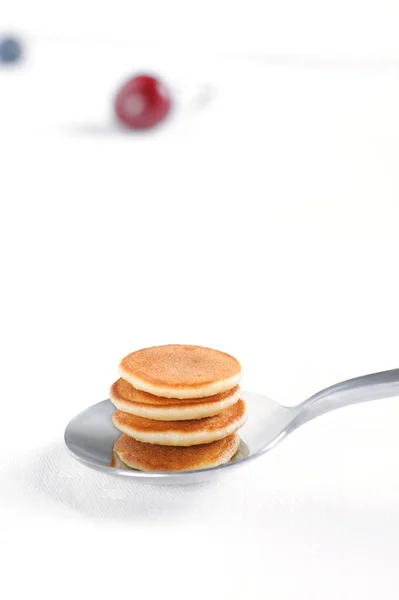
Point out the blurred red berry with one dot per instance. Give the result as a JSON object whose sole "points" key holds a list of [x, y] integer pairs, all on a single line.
{"points": [[142, 102]]}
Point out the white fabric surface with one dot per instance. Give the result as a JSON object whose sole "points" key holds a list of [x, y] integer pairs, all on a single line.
{"points": [[265, 225]]}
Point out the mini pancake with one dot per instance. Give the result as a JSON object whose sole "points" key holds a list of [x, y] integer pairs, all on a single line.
{"points": [[136, 402], [152, 457], [182, 433], [178, 371]]}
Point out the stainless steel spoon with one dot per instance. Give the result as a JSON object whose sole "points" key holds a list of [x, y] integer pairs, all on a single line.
{"points": [[90, 436]]}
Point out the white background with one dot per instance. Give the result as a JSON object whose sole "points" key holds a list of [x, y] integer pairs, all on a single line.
{"points": [[265, 225]]}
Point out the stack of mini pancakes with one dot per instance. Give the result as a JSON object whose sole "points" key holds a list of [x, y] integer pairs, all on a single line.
{"points": [[178, 408]]}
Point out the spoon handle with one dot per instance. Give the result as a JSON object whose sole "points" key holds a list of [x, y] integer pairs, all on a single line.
{"points": [[352, 391]]}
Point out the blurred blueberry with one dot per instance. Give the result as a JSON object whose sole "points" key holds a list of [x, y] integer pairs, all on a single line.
{"points": [[10, 50]]}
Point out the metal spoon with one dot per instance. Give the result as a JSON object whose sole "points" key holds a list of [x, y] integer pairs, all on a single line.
{"points": [[90, 436]]}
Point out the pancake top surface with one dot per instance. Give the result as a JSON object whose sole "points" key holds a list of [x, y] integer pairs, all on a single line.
{"points": [[123, 390], [180, 366], [234, 414], [171, 458]]}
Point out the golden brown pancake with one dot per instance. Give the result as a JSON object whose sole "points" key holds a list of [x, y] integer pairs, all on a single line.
{"points": [[152, 457], [124, 390], [182, 433], [136, 402], [179, 371]]}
